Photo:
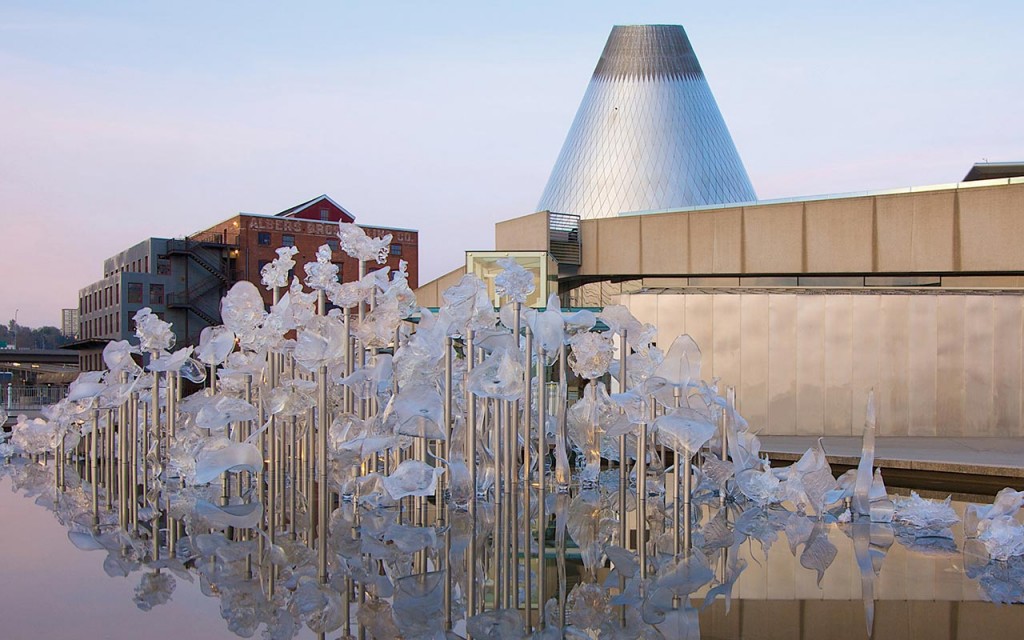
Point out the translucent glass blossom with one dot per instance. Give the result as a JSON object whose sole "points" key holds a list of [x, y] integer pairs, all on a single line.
{"points": [[117, 356], [357, 244], [320, 343], [514, 282], [548, 328], [684, 429], [242, 310], [412, 478], [591, 354], [322, 274], [680, 367], [180, 361], [926, 514], [86, 386], [467, 307], [220, 454], [275, 273], [501, 376], [154, 334], [215, 343]]}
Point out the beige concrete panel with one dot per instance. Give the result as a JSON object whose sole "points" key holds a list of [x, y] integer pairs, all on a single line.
{"points": [[427, 296], [449, 280], [892, 392], [982, 282], [618, 245], [727, 330], [991, 228], [915, 231], [665, 242], [867, 340], [782, 408], [985, 620], [784, 615], [810, 365], [752, 393], [834, 620], [644, 308], [901, 619], [922, 363], [526, 233], [978, 361], [1007, 362], [700, 326], [715, 622], [838, 364], [773, 238], [588, 240], [702, 242], [839, 235], [671, 314], [714, 282], [666, 283], [950, 374], [728, 241]]}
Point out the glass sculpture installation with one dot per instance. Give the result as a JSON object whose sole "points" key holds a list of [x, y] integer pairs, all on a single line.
{"points": [[377, 470]]}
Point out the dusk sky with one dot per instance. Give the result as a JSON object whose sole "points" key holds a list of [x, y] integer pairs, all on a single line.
{"points": [[125, 120]]}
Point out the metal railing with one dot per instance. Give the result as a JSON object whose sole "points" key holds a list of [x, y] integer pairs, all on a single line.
{"points": [[22, 398], [564, 238]]}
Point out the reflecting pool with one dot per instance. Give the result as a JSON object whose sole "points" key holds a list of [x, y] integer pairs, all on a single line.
{"points": [[69, 568]]}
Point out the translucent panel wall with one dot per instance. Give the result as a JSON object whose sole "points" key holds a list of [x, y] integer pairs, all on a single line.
{"points": [[942, 364]]}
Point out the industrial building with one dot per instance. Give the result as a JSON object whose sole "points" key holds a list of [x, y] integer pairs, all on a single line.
{"points": [[183, 279]]}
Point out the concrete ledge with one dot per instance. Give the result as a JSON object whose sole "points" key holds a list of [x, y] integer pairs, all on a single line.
{"points": [[1002, 457]]}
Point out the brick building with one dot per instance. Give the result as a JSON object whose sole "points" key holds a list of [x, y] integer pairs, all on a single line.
{"points": [[307, 226], [182, 280]]}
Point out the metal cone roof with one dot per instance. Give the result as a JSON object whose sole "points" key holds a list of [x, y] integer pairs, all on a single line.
{"points": [[648, 134]]}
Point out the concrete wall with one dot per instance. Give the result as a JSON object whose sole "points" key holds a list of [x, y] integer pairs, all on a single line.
{"points": [[429, 295], [969, 227], [528, 233], [942, 363]]}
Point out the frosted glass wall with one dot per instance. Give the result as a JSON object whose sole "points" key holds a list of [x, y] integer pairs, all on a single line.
{"points": [[941, 363]]}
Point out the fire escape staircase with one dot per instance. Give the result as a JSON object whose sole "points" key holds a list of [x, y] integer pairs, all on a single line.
{"points": [[193, 297]]}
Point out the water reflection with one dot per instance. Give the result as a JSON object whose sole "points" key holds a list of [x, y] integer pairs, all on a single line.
{"points": [[403, 571]]}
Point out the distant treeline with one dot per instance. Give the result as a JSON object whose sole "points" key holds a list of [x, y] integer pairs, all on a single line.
{"points": [[28, 338]]}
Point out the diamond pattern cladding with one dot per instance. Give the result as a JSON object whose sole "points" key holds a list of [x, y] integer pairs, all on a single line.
{"points": [[648, 135]]}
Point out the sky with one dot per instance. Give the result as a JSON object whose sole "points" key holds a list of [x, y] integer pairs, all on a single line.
{"points": [[125, 120]]}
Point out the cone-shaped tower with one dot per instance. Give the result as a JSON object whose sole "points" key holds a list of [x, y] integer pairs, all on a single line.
{"points": [[648, 134]]}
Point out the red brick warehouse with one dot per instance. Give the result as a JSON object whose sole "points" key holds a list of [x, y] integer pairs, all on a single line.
{"points": [[307, 226]]}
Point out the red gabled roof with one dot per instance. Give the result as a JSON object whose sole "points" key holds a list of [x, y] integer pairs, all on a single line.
{"points": [[293, 212]]}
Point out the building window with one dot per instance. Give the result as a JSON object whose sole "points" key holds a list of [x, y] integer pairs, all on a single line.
{"points": [[134, 293], [287, 240], [163, 267], [340, 270], [396, 249], [263, 237], [325, 214], [333, 244], [260, 264], [156, 294]]}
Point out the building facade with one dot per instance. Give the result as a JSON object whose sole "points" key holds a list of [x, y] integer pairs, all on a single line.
{"points": [[307, 226], [807, 304], [69, 323], [183, 279]]}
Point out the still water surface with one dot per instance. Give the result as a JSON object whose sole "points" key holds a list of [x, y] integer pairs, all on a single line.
{"points": [[49, 588]]}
